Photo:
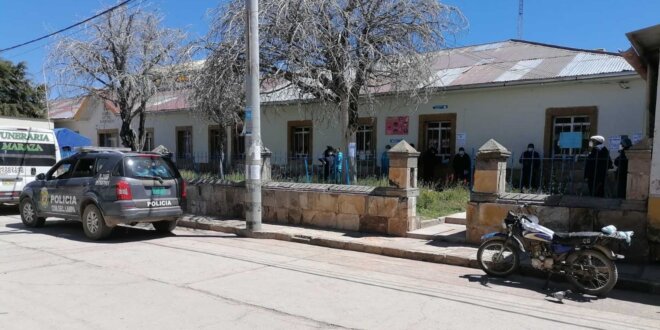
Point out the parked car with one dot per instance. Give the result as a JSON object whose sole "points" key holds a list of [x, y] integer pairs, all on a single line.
{"points": [[105, 187]]}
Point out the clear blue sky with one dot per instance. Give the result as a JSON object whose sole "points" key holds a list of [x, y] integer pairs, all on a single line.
{"points": [[574, 23]]}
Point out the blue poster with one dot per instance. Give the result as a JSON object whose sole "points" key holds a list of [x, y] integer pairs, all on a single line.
{"points": [[568, 140]]}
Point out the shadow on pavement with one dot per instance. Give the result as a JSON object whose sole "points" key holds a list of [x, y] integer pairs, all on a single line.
{"points": [[536, 285], [72, 230], [8, 209]]}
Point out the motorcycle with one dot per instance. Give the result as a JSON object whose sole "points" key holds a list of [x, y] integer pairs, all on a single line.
{"points": [[583, 257]]}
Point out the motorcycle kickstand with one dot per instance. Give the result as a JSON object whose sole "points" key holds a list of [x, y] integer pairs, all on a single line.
{"points": [[546, 286]]}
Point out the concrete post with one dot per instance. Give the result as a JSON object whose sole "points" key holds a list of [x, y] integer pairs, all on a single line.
{"points": [[639, 171], [490, 170], [403, 166]]}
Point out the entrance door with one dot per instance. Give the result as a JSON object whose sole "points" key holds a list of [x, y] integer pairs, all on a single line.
{"points": [[439, 137]]}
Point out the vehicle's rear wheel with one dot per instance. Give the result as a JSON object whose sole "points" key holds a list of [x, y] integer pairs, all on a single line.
{"points": [[94, 224], [29, 214], [164, 226], [592, 272]]}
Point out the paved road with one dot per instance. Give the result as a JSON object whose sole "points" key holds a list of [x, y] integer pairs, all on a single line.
{"points": [[54, 278]]}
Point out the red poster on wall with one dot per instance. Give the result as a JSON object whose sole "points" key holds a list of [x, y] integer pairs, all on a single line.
{"points": [[396, 125]]}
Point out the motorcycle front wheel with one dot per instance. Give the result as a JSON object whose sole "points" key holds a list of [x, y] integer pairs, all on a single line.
{"points": [[592, 272], [498, 258]]}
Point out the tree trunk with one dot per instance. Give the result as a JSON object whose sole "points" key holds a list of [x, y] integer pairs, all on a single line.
{"points": [[140, 138], [126, 134], [349, 121]]}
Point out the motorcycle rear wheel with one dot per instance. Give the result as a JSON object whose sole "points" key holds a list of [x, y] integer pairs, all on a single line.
{"points": [[497, 259], [592, 272]]}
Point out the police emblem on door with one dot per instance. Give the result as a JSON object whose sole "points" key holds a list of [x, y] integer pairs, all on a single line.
{"points": [[43, 198]]}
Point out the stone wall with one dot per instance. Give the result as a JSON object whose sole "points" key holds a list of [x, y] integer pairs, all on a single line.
{"points": [[356, 208], [489, 205], [486, 217]]}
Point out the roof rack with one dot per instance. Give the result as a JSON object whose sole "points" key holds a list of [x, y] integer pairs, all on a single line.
{"points": [[102, 149]]}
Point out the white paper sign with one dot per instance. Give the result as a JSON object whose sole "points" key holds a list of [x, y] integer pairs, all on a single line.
{"points": [[461, 139], [614, 142], [351, 149], [254, 172]]}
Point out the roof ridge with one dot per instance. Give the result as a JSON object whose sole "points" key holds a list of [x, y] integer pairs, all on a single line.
{"points": [[602, 52]]}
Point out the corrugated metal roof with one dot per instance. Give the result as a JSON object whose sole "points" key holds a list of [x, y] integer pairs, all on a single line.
{"points": [[506, 61]]}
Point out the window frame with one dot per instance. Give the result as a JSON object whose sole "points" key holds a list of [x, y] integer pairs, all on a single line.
{"points": [[178, 129], [552, 113], [292, 125], [424, 120], [112, 132], [368, 121], [153, 139]]}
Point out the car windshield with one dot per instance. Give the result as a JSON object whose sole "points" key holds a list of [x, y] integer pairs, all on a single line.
{"points": [[148, 167]]}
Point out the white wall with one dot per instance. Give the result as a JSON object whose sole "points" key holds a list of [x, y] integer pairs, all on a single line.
{"points": [[26, 122], [513, 115]]}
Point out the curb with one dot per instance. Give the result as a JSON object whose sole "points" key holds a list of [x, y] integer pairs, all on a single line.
{"points": [[440, 258]]}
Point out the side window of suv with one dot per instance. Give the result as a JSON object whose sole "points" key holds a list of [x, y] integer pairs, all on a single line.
{"points": [[84, 168], [102, 165], [61, 171]]}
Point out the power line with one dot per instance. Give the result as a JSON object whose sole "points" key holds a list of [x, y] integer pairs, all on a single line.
{"points": [[67, 28], [72, 33]]}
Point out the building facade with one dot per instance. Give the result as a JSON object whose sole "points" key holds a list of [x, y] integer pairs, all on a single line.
{"points": [[516, 92]]}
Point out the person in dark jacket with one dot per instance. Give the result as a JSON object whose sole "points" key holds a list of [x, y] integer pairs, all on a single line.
{"points": [[621, 163], [596, 167], [461, 165], [385, 161], [328, 162], [427, 161], [531, 163]]}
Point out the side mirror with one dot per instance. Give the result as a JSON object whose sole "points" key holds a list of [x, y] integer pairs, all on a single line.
{"points": [[41, 177]]}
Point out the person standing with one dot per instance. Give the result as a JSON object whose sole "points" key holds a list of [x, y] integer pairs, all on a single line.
{"points": [[339, 161], [596, 167], [328, 162], [531, 162], [427, 161], [461, 165], [385, 161], [621, 163]]}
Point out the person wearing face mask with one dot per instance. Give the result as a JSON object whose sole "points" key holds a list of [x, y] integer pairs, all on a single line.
{"points": [[596, 167], [531, 163], [621, 163], [461, 165]]}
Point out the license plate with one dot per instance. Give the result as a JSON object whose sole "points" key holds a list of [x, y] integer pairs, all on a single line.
{"points": [[6, 183], [159, 191]]}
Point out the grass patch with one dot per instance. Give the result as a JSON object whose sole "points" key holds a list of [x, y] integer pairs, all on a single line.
{"points": [[433, 204]]}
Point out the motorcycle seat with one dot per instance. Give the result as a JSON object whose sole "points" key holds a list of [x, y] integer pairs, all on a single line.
{"points": [[576, 237]]}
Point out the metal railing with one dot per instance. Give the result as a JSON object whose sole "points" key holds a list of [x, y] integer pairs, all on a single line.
{"points": [[566, 175], [283, 168]]}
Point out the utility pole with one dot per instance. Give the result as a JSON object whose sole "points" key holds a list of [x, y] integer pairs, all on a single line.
{"points": [[252, 120]]}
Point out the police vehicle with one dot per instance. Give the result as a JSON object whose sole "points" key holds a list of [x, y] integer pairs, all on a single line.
{"points": [[105, 187]]}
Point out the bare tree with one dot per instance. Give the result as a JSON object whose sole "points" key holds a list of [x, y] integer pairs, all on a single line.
{"points": [[344, 52], [124, 57]]}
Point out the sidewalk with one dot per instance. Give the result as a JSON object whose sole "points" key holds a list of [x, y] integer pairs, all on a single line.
{"points": [[636, 277]]}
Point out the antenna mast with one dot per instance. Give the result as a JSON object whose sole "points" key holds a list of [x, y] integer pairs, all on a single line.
{"points": [[520, 19]]}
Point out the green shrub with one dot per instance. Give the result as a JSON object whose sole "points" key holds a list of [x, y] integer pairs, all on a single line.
{"points": [[433, 204]]}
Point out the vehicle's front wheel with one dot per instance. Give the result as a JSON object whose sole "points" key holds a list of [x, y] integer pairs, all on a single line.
{"points": [[94, 224], [592, 272], [498, 258], [29, 214], [164, 226]]}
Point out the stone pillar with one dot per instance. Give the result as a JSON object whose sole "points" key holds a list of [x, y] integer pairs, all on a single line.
{"points": [[490, 171], [266, 156], [403, 166], [639, 171]]}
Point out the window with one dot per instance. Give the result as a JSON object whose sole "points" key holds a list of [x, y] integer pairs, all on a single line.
{"points": [[216, 144], [366, 139], [149, 140], [570, 124], [102, 165], [300, 138], [108, 138], [84, 168], [184, 143], [238, 142], [575, 119], [149, 167], [438, 132], [61, 171]]}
